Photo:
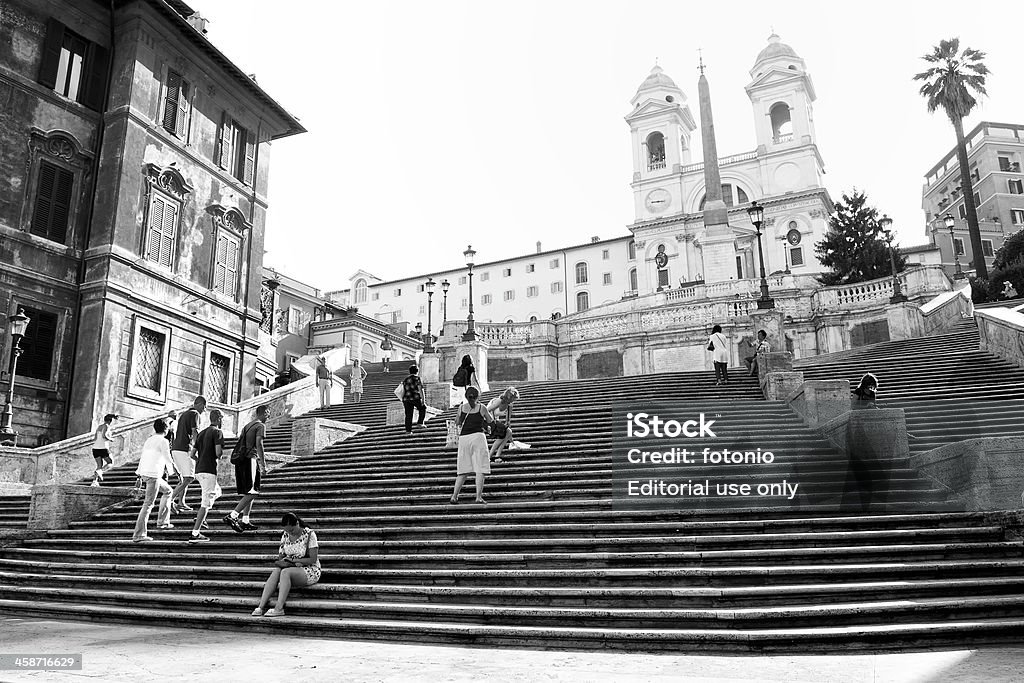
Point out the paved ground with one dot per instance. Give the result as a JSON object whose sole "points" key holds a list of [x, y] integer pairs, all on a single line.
{"points": [[139, 654]]}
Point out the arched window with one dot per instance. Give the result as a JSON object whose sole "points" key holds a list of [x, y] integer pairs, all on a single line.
{"points": [[556, 315], [782, 125], [732, 195], [631, 250], [533, 318], [655, 151], [581, 273], [632, 280], [741, 196], [360, 295], [582, 301]]}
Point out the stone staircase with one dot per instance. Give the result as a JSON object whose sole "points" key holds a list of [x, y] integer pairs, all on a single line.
{"points": [[553, 561]]}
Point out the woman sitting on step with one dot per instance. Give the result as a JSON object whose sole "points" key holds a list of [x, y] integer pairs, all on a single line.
{"points": [[473, 457], [298, 564]]}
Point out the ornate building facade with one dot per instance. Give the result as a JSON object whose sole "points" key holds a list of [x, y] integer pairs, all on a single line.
{"points": [[134, 179]]}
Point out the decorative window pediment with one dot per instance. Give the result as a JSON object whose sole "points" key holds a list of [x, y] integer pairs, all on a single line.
{"points": [[228, 218], [60, 144], [169, 179]]}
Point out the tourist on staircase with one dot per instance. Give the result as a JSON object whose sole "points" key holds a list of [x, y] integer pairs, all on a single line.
{"points": [[324, 382], [101, 448], [385, 352], [358, 375], [155, 460], [472, 457], [500, 408], [866, 392], [207, 452], [184, 436], [464, 377], [249, 467], [412, 398], [297, 565], [718, 345], [760, 346]]}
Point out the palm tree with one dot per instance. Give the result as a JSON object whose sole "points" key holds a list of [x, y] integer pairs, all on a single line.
{"points": [[948, 85]]}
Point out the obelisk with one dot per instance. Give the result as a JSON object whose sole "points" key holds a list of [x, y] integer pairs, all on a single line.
{"points": [[718, 242]]}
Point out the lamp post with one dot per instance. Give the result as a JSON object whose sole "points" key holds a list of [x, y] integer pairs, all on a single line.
{"points": [[428, 346], [444, 305], [950, 223], [756, 213], [19, 323], [897, 291], [470, 334]]}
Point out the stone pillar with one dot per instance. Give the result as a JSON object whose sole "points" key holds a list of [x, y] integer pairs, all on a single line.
{"points": [[477, 351], [872, 440], [438, 395], [396, 414], [771, 321], [430, 368], [775, 375], [55, 506], [313, 434], [633, 358], [905, 321], [820, 401], [718, 249]]}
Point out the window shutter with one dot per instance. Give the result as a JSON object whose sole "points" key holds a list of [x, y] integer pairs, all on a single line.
{"points": [[224, 160], [44, 199], [40, 338], [181, 124], [53, 203], [170, 215], [51, 53], [171, 102], [250, 158], [218, 265], [97, 63]]}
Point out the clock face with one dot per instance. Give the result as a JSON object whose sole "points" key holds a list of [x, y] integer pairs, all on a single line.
{"points": [[658, 200]]}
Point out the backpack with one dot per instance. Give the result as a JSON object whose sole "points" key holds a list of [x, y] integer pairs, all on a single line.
{"points": [[240, 452], [461, 377]]}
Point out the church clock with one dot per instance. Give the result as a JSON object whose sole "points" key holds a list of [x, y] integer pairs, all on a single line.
{"points": [[658, 200]]}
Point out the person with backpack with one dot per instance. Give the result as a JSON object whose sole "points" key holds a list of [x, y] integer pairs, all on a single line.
{"points": [[464, 377], [207, 451], [250, 464]]}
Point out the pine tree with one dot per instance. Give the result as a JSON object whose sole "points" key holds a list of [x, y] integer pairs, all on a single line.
{"points": [[856, 248]]}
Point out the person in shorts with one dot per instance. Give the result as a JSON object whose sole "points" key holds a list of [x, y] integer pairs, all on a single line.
{"points": [[101, 448], [184, 437], [248, 472], [207, 451], [385, 352], [500, 408]]}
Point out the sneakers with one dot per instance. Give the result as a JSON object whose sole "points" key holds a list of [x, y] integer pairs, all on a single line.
{"points": [[248, 526], [142, 540], [95, 483], [204, 525], [199, 538], [257, 612], [99, 475], [166, 526], [232, 522], [273, 612]]}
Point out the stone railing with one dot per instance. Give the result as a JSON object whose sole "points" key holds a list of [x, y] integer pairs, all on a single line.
{"points": [[724, 161], [922, 281], [71, 460], [1002, 333], [498, 334]]}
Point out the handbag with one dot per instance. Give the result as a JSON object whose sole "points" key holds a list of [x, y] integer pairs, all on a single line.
{"points": [[711, 346], [400, 391], [452, 438]]}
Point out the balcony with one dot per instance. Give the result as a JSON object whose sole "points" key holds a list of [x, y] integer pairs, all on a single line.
{"points": [[655, 164], [781, 139]]}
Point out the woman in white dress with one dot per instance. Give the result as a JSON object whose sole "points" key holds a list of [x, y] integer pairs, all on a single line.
{"points": [[358, 375], [718, 345], [473, 457]]}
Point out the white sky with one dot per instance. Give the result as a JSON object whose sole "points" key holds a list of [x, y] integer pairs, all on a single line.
{"points": [[438, 124]]}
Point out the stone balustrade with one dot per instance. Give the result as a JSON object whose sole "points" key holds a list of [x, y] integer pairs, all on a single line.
{"points": [[1002, 333]]}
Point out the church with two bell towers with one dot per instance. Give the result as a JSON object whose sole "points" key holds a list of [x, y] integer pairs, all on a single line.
{"points": [[690, 234]]}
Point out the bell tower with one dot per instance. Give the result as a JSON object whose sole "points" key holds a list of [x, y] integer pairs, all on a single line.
{"points": [[782, 94], [660, 125]]}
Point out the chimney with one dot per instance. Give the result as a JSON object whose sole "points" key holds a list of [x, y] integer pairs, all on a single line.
{"points": [[538, 246], [198, 22], [594, 239]]}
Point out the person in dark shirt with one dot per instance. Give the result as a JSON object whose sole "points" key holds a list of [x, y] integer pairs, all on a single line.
{"points": [[208, 449], [248, 472], [412, 398], [184, 437], [866, 392]]}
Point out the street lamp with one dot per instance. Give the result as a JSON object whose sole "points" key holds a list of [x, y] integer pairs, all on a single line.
{"points": [[470, 334], [897, 292], [444, 307], [756, 213], [428, 346], [19, 323], [950, 223]]}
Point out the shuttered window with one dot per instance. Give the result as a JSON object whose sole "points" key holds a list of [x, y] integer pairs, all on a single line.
{"points": [[53, 202], [161, 228], [36, 360], [237, 150], [73, 66], [225, 267], [176, 105]]}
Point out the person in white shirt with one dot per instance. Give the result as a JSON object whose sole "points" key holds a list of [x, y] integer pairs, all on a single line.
{"points": [[155, 460], [760, 346], [718, 345]]}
